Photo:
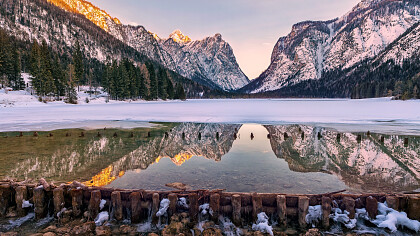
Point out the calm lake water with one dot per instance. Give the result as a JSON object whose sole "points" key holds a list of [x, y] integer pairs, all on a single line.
{"points": [[278, 158]]}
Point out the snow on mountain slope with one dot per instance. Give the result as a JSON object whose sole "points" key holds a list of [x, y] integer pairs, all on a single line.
{"points": [[406, 47], [314, 47], [37, 19], [210, 59]]}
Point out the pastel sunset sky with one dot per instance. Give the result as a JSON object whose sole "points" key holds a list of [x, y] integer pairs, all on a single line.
{"points": [[251, 27]]}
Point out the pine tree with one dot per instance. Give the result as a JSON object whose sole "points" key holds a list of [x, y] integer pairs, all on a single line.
{"points": [[143, 91], [6, 60], [35, 66], [47, 86], [153, 81], [70, 85], [78, 64], [162, 84], [18, 83], [59, 78], [180, 93], [170, 89]]}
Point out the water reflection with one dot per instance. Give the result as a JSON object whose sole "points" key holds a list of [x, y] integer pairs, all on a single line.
{"points": [[243, 158]]}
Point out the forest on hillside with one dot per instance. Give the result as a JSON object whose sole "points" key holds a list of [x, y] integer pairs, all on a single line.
{"points": [[365, 80], [57, 75]]}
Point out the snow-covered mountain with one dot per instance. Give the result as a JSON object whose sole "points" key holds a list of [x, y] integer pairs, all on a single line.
{"points": [[209, 61], [368, 164], [61, 28], [313, 48]]}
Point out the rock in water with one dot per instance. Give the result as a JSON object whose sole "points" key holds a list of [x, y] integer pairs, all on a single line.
{"points": [[177, 185]]}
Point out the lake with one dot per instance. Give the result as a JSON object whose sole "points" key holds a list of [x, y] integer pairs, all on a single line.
{"points": [[288, 158]]}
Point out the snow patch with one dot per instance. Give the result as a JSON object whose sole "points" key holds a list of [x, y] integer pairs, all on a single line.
{"points": [[102, 204], [262, 224], [314, 215], [182, 202], [145, 227], [18, 222], [343, 217], [392, 219], [164, 205], [205, 208], [228, 228], [101, 218], [26, 204]]}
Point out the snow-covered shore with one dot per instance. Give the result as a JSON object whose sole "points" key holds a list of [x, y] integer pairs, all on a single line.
{"points": [[380, 114]]}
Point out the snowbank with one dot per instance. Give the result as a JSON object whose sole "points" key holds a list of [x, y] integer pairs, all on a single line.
{"points": [[392, 219], [386, 218], [377, 115]]}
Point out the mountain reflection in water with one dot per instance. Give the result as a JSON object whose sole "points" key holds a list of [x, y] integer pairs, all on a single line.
{"points": [[223, 156]]}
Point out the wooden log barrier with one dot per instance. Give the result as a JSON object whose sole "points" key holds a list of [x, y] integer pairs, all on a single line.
{"points": [[5, 195], [215, 206], [135, 198], [117, 206], [414, 207], [236, 209], [282, 210], [326, 211], [94, 203], [173, 199], [303, 207], [40, 203], [393, 202], [256, 205], [155, 207], [77, 201], [372, 207], [193, 211], [349, 204], [21, 195], [58, 199], [242, 208]]}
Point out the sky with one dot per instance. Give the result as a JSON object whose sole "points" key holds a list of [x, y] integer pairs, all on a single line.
{"points": [[251, 27]]}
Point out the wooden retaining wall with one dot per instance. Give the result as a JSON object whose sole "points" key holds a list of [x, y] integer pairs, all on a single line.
{"points": [[242, 208]]}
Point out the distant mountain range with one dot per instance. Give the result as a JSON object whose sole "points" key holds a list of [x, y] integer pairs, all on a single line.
{"points": [[363, 35], [209, 61], [360, 54]]}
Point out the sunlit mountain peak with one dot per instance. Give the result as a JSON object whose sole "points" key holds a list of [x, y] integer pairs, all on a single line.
{"points": [[91, 12], [179, 37]]}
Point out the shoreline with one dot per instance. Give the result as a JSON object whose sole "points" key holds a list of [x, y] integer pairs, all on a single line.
{"points": [[78, 203]]}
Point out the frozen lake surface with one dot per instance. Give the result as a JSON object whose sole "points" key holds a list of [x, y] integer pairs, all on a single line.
{"points": [[377, 115]]}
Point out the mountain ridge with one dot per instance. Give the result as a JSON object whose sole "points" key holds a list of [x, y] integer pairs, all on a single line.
{"points": [[315, 47], [207, 68]]}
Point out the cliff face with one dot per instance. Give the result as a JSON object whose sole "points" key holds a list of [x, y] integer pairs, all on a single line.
{"points": [[313, 48]]}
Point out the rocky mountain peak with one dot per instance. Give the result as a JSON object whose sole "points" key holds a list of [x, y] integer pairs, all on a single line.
{"points": [[91, 12], [218, 37], [179, 37]]}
